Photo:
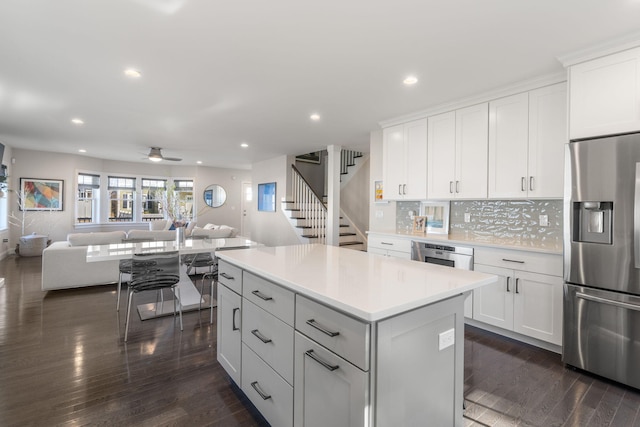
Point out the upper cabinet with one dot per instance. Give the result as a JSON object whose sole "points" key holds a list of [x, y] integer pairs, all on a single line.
{"points": [[605, 95], [457, 154], [404, 171], [527, 133]]}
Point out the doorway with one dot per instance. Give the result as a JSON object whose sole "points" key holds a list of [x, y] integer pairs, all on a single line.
{"points": [[247, 198]]}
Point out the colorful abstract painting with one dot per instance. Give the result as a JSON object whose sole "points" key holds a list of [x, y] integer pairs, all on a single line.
{"points": [[41, 194]]}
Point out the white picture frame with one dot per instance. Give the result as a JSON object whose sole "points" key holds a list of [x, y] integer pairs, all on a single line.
{"points": [[437, 214]]}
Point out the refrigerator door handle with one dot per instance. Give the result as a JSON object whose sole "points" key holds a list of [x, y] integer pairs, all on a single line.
{"points": [[636, 218], [620, 304]]}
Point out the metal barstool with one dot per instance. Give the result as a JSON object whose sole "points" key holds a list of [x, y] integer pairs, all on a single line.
{"points": [[213, 276], [155, 271]]}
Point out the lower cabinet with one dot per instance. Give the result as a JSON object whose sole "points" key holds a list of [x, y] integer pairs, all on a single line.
{"points": [[522, 301], [229, 335], [329, 391]]}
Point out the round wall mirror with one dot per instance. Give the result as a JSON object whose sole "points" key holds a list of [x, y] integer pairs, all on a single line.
{"points": [[215, 196]]}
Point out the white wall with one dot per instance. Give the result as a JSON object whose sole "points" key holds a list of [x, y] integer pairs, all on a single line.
{"points": [[272, 228], [39, 164], [355, 197], [382, 216]]}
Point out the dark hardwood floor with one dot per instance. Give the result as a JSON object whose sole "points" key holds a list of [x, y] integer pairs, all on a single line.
{"points": [[63, 362]]}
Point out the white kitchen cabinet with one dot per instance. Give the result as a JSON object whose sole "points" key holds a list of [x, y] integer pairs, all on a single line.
{"points": [[508, 143], [547, 140], [457, 153], [405, 161], [525, 302], [389, 246], [527, 133], [604, 95], [229, 343]]}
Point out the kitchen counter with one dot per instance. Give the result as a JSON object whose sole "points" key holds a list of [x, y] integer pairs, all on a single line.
{"points": [[551, 247], [386, 335], [368, 287]]}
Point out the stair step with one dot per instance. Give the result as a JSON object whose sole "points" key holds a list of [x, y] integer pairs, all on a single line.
{"points": [[310, 236], [292, 210], [354, 242], [347, 234]]}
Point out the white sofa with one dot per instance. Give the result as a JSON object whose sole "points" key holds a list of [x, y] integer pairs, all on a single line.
{"points": [[64, 264]]}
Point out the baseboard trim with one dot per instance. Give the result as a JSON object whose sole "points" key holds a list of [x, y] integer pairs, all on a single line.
{"points": [[514, 335]]}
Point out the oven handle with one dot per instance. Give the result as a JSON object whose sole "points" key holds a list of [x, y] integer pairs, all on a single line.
{"points": [[608, 301]]}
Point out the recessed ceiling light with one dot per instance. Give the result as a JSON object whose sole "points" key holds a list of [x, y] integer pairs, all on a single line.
{"points": [[77, 121], [82, 150], [244, 145], [130, 72], [315, 117], [199, 162], [410, 80]]}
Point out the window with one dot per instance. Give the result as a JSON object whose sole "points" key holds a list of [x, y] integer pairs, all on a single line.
{"points": [[87, 200], [184, 195], [121, 198], [152, 196]]}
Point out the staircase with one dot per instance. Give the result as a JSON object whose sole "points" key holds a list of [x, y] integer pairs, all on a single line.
{"points": [[307, 212]]}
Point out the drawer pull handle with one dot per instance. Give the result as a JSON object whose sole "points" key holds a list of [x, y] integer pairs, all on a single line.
{"points": [[260, 336], [314, 324], [385, 243], [261, 295], [320, 361], [262, 394], [512, 260], [226, 276], [233, 319]]}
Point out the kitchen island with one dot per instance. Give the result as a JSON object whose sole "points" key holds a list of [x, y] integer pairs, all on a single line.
{"points": [[321, 335]]}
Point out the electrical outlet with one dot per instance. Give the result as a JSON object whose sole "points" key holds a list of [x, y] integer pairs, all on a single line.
{"points": [[467, 217], [5, 240], [446, 339], [543, 220], [379, 214]]}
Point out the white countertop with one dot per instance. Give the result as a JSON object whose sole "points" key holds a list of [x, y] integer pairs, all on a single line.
{"points": [[190, 246], [370, 287], [551, 247]]}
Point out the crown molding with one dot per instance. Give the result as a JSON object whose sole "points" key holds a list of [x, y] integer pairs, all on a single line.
{"points": [[605, 48], [523, 86]]}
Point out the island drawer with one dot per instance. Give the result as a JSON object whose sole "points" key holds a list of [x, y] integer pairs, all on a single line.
{"points": [[272, 298], [389, 243], [266, 389], [342, 334], [534, 262], [230, 276], [270, 338]]}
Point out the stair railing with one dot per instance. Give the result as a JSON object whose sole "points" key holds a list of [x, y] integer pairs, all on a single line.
{"points": [[309, 206]]}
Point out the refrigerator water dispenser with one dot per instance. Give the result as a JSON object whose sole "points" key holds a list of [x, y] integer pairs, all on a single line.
{"points": [[593, 222]]}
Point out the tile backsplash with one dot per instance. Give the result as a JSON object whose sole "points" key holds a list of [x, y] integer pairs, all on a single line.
{"points": [[511, 219]]}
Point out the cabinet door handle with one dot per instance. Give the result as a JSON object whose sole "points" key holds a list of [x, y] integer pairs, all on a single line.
{"points": [[530, 183], [260, 336], [508, 284], [262, 394], [233, 319], [523, 184], [517, 281], [312, 355], [314, 324], [451, 187], [399, 189], [512, 260], [404, 188], [261, 295], [457, 186], [226, 276]]}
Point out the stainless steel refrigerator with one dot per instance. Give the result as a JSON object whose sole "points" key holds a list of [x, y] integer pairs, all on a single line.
{"points": [[601, 331]]}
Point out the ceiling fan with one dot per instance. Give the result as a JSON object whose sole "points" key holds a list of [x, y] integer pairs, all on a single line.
{"points": [[155, 155]]}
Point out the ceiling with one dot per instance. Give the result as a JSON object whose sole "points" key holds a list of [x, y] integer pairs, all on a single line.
{"points": [[216, 74]]}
